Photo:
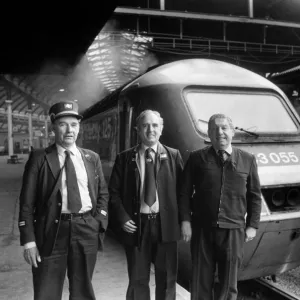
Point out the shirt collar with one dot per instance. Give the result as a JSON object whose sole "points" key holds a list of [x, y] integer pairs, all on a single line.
{"points": [[228, 150], [144, 147], [61, 150]]}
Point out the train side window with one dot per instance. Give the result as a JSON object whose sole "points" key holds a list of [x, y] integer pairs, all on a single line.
{"points": [[128, 134], [130, 111], [122, 125], [133, 139], [125, 112]]}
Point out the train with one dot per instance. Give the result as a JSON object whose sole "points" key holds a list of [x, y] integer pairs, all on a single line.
{"points": [[186, 93]]}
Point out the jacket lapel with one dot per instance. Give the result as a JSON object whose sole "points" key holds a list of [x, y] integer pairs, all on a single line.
{"points": [[52, 159], [90, 171], [234, 157], [134, 166], [212, 156], [161, 156]]}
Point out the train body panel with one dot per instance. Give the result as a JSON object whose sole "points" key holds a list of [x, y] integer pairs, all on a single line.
{"points": [[187, 93], [276, 248], [203, 72]]}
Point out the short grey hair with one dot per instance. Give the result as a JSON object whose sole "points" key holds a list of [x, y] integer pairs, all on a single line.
{"points": [[147, 111], [220, 116]]}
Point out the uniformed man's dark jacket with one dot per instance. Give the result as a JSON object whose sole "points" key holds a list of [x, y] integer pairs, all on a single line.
{"points": [[124, 191], [218, 195], [39, 216]]}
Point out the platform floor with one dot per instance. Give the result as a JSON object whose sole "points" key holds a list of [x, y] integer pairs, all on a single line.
{"points": [[110, 277]]}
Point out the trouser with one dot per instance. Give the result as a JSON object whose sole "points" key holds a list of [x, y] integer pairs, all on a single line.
{"points": [[162, 255], [216, 246], [75, 251]]}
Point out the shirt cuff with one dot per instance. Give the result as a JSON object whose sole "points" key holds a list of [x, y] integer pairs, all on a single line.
{"points": [[29, 245]]}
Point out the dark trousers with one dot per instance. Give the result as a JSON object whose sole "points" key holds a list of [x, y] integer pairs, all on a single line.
{"points": [[211, 247], [164, 258], [75, 251]]}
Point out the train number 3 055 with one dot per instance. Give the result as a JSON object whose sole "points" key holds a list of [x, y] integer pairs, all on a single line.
{"points": [[277, 158]]}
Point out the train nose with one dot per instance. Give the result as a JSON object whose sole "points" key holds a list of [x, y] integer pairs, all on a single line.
{"points": [[278, 198], [293, 197]]}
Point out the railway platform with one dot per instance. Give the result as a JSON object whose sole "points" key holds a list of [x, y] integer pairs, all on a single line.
{"points": [[110, 276]]}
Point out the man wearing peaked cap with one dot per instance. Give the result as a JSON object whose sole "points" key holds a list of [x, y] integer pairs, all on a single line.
{"points": [[63, 210]]}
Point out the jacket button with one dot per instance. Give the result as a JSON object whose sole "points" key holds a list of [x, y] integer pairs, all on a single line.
{"points": [[56, 221], [59, 204]]}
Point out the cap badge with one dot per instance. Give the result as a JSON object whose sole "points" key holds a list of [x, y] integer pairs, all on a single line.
{"points": [[68, 106]]}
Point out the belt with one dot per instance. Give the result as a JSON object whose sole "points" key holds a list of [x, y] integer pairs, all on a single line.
{"points": [[71, 216], [150, 216]]}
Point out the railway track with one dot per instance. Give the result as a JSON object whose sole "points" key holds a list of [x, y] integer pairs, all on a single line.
{"points": [[264, 290], [260, 288]]}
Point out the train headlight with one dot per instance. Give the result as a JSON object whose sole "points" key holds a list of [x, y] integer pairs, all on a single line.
{"points": [[293, 197], [278, 198]]}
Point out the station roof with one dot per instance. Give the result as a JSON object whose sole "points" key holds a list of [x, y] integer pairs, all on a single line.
{"points": [[65, 56], [42, 54]]}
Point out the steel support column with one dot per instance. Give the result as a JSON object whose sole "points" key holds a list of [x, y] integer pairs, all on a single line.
{"points": [[30, 129], [46, 132], [9, 128], [250, 8]]}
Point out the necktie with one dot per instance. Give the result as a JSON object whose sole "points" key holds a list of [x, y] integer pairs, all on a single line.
{"points": [[74, 200], [150, 185], [223, 155]]}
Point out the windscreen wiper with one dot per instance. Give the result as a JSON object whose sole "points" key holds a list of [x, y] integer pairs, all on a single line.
{"points": [[237, 128], [247, 131]]}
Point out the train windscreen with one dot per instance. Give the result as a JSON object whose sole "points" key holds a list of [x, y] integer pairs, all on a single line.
{"points": [[259, 113]]}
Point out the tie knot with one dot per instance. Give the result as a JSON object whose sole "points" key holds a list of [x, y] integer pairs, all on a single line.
{"points": [[223, 155], [149, 157], [68, 153], [148, 151]]}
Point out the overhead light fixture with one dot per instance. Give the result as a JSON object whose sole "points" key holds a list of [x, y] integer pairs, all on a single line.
{"points": [[75, 100], [61, 90]]}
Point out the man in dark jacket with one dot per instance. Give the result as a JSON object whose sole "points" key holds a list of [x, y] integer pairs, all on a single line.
{"points": [[219, 205], [143, 195], [63, 210]]}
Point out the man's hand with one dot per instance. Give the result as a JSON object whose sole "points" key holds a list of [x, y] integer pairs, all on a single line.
{"points": [[32, 256], [129, 226], [250, 234], [186, 231]]}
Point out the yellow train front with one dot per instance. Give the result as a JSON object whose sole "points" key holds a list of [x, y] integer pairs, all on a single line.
{"points": [[187, 93]]}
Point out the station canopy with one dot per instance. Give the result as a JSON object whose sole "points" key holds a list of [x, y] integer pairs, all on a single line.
{"points": [[262, 36], [119, 57]]}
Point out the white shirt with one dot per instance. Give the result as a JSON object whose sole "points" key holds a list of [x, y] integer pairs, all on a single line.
{"points": [[228, 150], [82, 180], [81, 175], [145, 209]]}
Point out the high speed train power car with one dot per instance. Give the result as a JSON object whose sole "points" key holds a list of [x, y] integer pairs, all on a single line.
{"points": [[187, 93]]}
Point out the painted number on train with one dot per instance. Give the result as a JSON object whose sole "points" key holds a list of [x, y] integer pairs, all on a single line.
{"points": [[277, 158]]}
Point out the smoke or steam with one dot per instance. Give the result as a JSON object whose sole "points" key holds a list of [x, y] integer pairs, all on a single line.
{"points": [[114, 58], [124, 55], [84, 86], [79, 83]]}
